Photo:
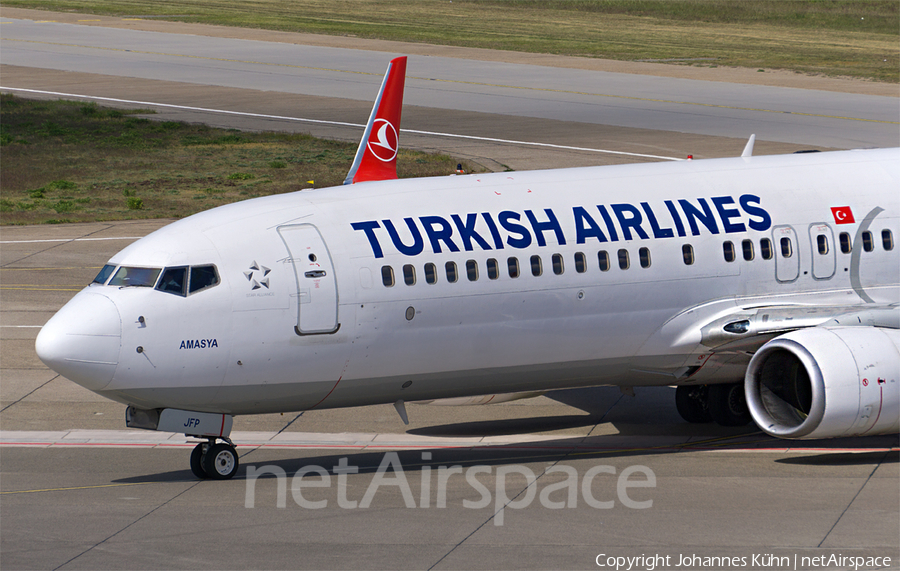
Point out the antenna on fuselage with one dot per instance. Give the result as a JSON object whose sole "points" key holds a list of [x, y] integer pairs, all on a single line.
{"points": [[376, 156]]}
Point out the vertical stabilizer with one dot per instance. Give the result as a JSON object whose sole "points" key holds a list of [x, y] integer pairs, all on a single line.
{"points": [[376, 157]]}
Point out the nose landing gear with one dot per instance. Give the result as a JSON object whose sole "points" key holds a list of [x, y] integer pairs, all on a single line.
{"points": [[214, 461]]}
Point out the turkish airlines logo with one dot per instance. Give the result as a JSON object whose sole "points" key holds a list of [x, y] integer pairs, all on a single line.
{"points": [[383, 143], [842, 215]]}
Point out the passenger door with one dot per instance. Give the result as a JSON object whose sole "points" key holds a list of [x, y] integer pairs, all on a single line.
{"points": [[317, 294]]}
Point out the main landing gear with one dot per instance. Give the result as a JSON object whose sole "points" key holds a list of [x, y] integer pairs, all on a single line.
{"points": [[214, 461], [724, 404]]}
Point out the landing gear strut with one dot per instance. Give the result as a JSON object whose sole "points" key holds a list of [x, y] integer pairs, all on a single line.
{"points": [[692, 403], [214, 461], [724, 404]]}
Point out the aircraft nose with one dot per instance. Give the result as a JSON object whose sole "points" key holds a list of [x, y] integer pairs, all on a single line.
{"points": [[81, 342]]}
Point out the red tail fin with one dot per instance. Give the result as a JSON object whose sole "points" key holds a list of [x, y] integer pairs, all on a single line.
{"points": [[376, 157]]}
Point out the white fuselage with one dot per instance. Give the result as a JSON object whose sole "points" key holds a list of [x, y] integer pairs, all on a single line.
{"points": [[301, 316]]}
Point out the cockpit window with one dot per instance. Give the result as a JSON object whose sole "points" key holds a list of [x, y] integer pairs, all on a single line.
{"points": [[203, 277], [135, 277], [104, 274], [174, 280]]}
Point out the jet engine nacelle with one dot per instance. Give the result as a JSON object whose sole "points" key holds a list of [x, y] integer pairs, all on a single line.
{"points": [[826, 382]]}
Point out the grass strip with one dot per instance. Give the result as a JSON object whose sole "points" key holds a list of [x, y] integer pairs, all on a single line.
{"points": [[79, 162], [853, 38]]}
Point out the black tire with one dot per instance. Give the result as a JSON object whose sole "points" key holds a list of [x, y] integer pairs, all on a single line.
{"points": [[692, 403], [197, 462], [220, 462], [728, 405]]}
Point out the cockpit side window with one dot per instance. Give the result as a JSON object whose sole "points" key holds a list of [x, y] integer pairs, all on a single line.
{"points": [[135, 277], [203, 277], [174, 280], [104, 274]]}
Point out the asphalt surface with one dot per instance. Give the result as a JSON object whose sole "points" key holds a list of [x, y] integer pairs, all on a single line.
{"points": [[545, 483]]}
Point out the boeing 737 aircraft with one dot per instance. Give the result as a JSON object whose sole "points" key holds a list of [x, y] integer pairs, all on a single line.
{"points": [[758, 286]]}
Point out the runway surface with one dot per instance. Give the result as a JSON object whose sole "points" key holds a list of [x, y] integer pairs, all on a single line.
{"points": [[551, 482], [511, 101]]}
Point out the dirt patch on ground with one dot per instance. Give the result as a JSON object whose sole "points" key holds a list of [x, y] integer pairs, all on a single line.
{"points": [[724, 74]]}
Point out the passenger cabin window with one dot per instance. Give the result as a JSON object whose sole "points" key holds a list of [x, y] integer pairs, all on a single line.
{"points": [[728, 250], [450, 268], [580, 262], [687, 254], [868, 243], [536, 266], [747, 249], [409, 275], [512, 266], [846, 245], [174, 281], [603, 258], [430, 273], [644, 254], [822, 244], [472, 270], [623, 259], [787, 249], [557, 260], [493, 269], [387, 276], [887, 240], [765, 248], [104, 274], [135, 277]]}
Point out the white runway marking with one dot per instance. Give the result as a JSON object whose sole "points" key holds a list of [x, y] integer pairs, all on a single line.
{"points": [[341, 123]]}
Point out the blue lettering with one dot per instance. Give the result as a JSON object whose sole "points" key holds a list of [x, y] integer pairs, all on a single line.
{"points": [[417, 245], [693, 215], [726, 214], [679, 227], [369, 228], [199, 344], [467, 232], [610, 227], [654, 225], [438, 236], [541, 227], [629, 222], [495, 233], [506, 218], [586, 227], [747, 202]]}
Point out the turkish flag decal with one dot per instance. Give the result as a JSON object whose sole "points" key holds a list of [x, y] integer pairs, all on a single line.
{"points": [[842, 215]]}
